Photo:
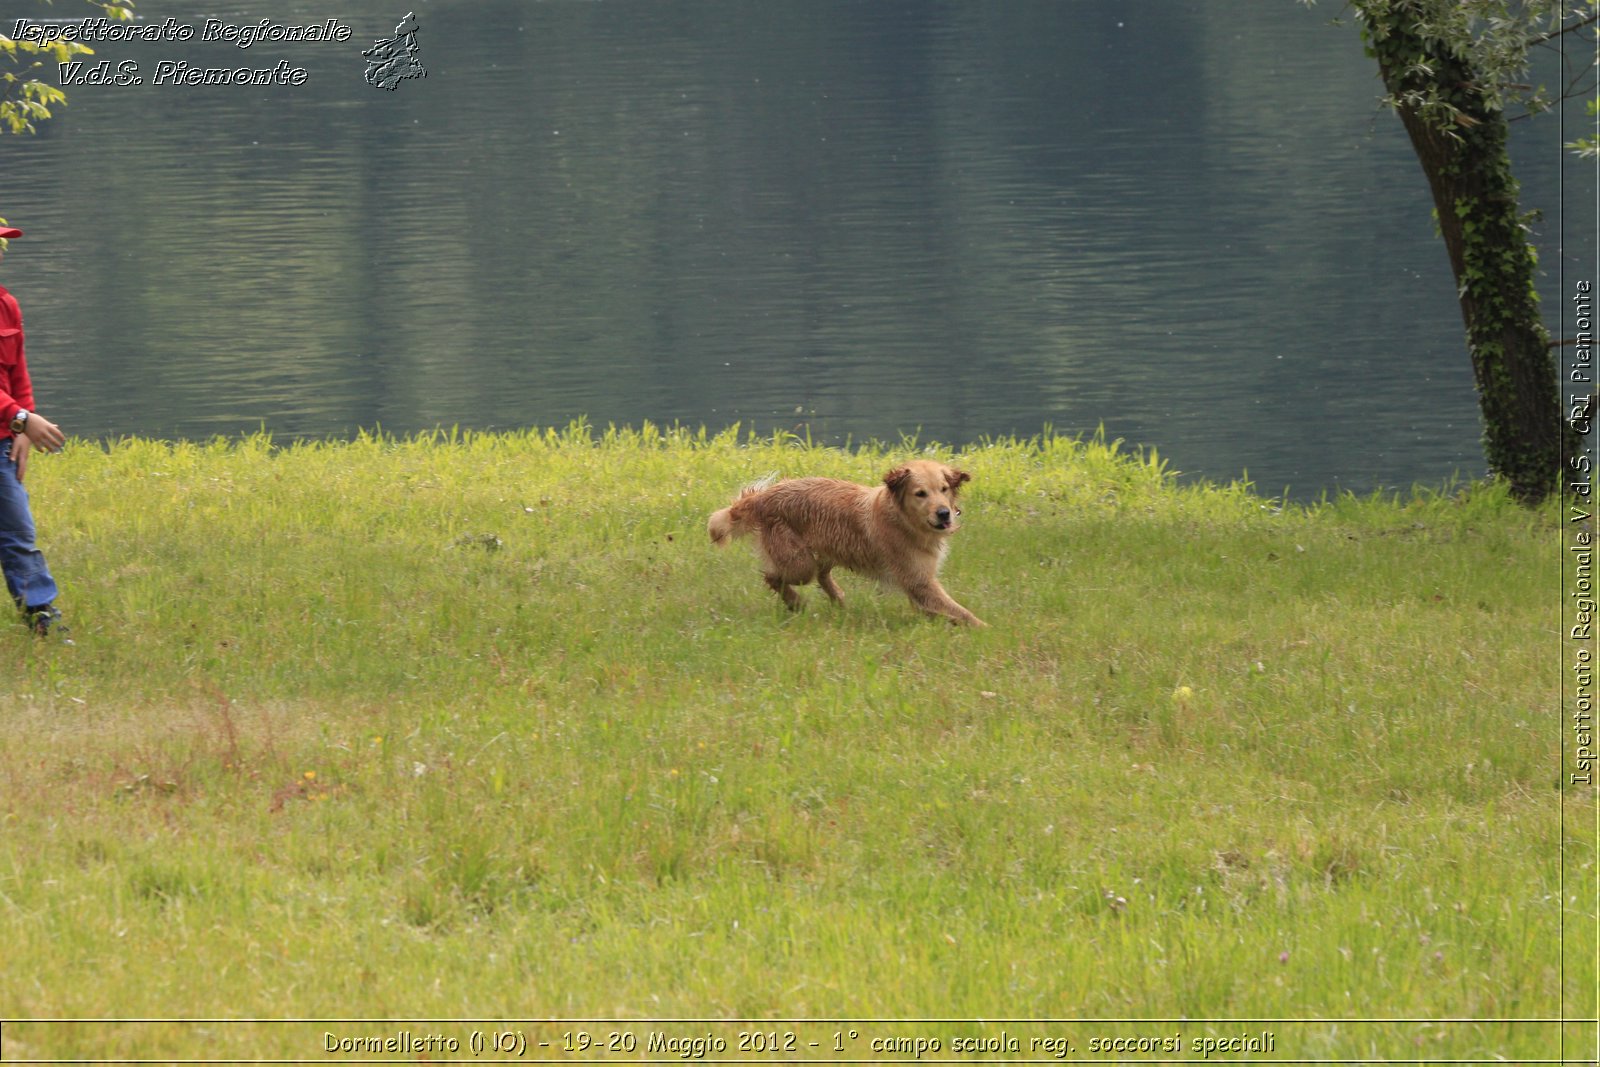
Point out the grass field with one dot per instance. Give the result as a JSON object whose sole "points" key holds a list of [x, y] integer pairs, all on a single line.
{"points": [[481, 727]]}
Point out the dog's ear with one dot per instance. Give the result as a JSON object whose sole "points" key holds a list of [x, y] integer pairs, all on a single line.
{"points": [[957, 478], [896, 479]]}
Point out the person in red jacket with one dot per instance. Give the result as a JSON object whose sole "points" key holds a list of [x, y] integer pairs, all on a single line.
{"points": [[22, 429]]}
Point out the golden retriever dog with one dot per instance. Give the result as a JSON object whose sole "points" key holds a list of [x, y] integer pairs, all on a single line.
{"points": [[897, 532]]}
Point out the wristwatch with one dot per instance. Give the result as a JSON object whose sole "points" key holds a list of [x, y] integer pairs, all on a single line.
{"points": [[19, 422]]}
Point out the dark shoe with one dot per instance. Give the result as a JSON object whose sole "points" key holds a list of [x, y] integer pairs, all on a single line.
{"points": [[42, 620]]}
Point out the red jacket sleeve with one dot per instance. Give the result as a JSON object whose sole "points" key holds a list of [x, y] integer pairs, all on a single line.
{"points": [[16, 388]]}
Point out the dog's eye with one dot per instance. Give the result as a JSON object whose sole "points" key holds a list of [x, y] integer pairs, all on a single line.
{"points": [[922, 492]]}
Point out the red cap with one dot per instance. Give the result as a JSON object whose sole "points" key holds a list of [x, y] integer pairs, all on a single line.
{"points": [[8, 232]]}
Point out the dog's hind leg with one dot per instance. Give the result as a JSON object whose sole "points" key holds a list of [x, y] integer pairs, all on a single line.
{"points": [[776, 583], [789, 562], [829, 586]]}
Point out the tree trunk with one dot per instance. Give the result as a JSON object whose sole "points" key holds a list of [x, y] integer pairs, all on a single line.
{"points": [[1462, 149]]}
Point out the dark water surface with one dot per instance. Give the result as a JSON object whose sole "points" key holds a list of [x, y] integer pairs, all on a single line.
{"points": [[1186, 221]]}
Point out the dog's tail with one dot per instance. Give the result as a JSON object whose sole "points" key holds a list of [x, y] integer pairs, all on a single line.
{"points": [[721, 527], [729, 523]]}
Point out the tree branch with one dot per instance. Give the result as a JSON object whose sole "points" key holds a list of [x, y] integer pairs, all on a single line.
{"points": [[1553, 34]]}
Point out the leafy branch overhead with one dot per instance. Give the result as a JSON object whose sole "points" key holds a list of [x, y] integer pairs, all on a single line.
{"points": [[1588, 147], [25, 98], [1495, 39]]}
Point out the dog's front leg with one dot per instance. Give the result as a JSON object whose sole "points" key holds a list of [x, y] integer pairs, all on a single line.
{"points": [[932, 598]]}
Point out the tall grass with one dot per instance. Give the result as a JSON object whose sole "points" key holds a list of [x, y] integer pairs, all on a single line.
{"points": [[480, 725]]}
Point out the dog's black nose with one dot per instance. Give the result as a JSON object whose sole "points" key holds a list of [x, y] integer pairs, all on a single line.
{"points": [[943, 515]]}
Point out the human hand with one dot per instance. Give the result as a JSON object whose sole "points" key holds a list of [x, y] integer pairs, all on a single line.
{"points": [[20, 447], [44, 433]]}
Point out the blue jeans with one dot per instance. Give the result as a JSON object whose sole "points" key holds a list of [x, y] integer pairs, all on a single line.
{"points": [[27, 578]]}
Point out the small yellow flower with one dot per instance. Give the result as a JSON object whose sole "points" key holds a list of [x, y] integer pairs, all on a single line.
{"points": [[311, 776], [1183, 694]]}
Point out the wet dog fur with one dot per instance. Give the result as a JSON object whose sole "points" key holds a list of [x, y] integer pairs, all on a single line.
{"points": [[897, 532]]}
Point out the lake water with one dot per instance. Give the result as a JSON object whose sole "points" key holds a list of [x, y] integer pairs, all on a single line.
{"points": [[1188, 222]]}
